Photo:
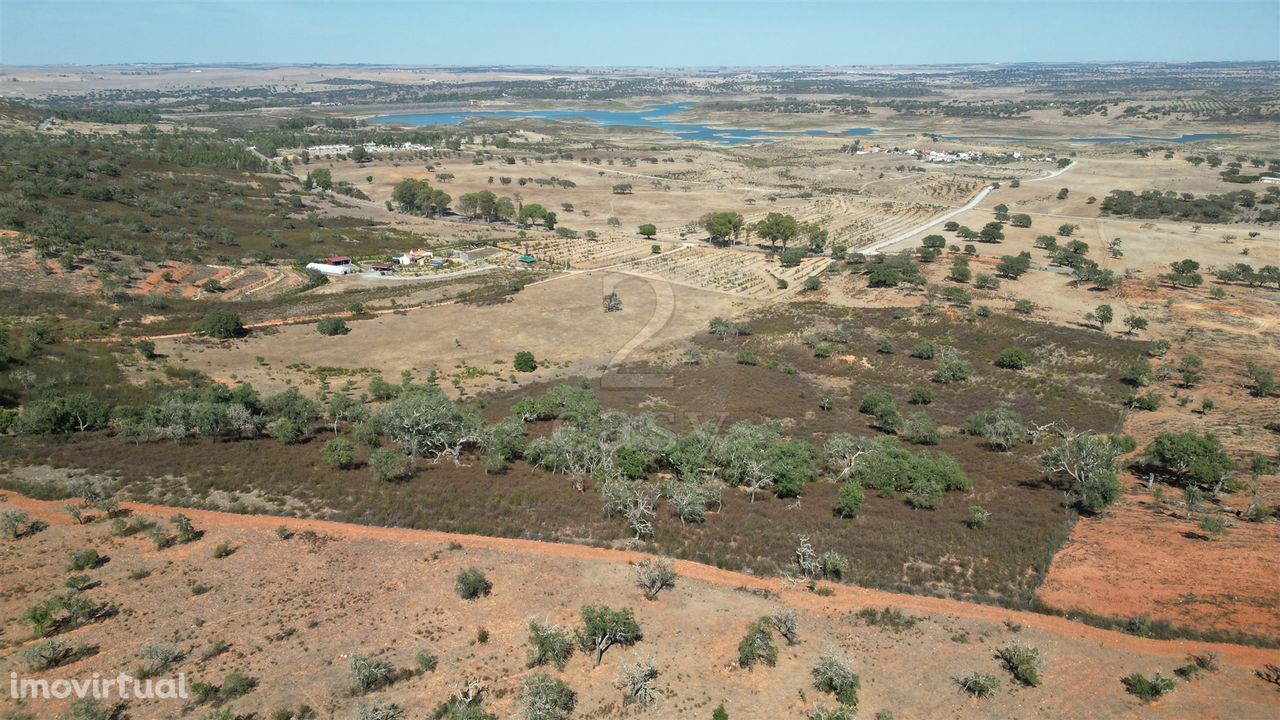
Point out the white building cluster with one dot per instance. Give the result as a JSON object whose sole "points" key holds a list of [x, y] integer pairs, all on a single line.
{"points": [[372, 148], [950, 156]]}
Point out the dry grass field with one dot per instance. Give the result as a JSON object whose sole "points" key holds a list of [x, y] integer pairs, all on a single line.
{"points": [[291, 613], [115, 234]]}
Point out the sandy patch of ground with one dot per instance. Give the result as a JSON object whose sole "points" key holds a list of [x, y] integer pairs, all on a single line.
{"points": [[561, 321]]}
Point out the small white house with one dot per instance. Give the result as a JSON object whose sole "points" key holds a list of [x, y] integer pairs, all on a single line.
{"points": [[328, 269]]}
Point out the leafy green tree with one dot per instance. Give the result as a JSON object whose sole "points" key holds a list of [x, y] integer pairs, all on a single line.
{"points": [[1190, 368], [1196, 460], [1264, 382], [722, 226], [778, 227], [1014, 266], [604, 627], [648, 230], [992, 232], [1103, 315], [1135, 323], [323, 178]]}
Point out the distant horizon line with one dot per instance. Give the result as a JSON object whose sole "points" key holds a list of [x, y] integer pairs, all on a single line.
{"points": [[447, 66]]}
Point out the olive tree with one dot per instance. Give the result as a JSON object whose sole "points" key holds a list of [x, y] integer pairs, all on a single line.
{"points": [[1088, 461], [549, 645], [604, 627], [424, 423]]}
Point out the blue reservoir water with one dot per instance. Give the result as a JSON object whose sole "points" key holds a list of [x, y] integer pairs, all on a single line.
{"points": [[656, 117], [659, 118]]}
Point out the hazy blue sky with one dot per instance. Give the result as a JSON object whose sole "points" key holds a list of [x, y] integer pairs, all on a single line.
{"points": [[633, 32]]}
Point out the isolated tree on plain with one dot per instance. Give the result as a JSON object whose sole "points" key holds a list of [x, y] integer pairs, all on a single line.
{"points": [[549, 645], [1102, 315], [604, 627], [648, 230], [1190, 369], [1135, 323]]}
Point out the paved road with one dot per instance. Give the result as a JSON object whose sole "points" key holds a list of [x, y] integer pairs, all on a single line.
{"points": [[877, 247]]}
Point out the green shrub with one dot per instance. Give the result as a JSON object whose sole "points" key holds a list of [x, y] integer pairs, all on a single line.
{"points": [[1149, 401], [472, 583], [978, 517], [289, 432], [85, 560], [525, 362], [332, 326], [920, 396], [746, 357], [389, 465], [221, 324], [978, 684], [549, 645], [1149, 689], [1023, 662], [924, 350], [340, 453], [1013, 358], [426, 661], [849, 499], [920, 429], [543, 697], [236, 684], [757, 645]]}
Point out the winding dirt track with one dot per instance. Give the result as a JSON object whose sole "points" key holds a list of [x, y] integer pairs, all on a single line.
{"points": [[845, 598]]}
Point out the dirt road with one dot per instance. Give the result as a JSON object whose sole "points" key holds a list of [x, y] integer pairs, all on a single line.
{"points": [[845, 598]]}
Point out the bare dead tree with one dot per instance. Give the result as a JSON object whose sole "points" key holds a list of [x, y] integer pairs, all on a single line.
{"points": [[787, 622], [655, 575], [638, 681]]}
